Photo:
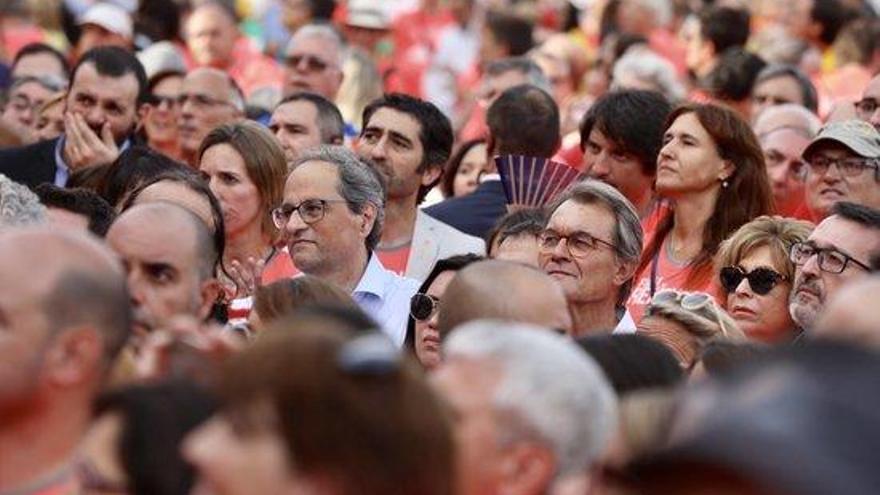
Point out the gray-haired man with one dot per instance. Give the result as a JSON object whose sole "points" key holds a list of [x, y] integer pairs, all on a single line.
{"points": [[332, 216]]}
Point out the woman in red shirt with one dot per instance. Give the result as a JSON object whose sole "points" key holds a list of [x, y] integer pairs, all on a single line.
{"points": [[711, 169]]}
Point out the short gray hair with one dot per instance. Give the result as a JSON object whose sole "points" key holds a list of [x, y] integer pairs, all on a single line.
{"points": [[647, 66], [19, 205], [322, 30], [359, 184], [628, 234], [549, 388], [523, 65], [787, 116]]}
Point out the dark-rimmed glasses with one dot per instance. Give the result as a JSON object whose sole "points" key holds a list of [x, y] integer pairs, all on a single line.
{"points": [[313, 64], [580, 244], [761, 280], [850, 166], [423, 306], [830, 260], [310, 211]]}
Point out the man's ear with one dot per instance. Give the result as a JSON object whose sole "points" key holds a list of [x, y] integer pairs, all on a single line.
{"points": [[625, 271], [527, 468], [368, 219], [432, 174], [141, 115], [73, 356]]}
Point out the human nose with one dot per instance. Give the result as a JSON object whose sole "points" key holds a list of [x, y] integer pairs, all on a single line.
{"points": [[295, 223], [601, 167], [743, 288]]}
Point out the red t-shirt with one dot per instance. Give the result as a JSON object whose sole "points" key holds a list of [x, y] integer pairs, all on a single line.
{"points": [[395, 259]]}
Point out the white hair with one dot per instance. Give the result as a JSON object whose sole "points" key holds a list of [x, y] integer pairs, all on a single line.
{"points": [[645, 65], [326, 31], [551, 389], [19, 205], [787, 115]]}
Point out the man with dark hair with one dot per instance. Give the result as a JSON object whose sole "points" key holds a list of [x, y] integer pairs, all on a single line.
{"points": [[331, 217], [621, 136], [65, 319], [40, 60], [838, 251], [304, 120], [408, 141], [524, 120], [778, 84], [76, 208], [107, 87], [713, 31], [732, 79], [515, 236], [166, 279], [505, 35]]}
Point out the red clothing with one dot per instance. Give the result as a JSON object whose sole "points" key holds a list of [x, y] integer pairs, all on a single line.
{"points": [[416, 36], [668, 275], [394, 259], [250, 69], [279, 267]]}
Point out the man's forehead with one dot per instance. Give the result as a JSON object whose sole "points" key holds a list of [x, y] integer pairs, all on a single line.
{"points": [[295, 111], [314, 44], [390, 119], [851, 237], [312, 177], [87, 79], [205, 81]]}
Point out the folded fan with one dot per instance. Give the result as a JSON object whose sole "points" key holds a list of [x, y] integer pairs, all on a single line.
{"points": [[531, 181]]}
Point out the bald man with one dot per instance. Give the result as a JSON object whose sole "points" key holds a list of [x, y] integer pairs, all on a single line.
{"points": [[503, 290], [208, 98], [169, 256], [64, 317], [852, 314]]}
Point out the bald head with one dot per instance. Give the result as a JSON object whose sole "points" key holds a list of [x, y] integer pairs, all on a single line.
{"points": [[68, 277], [211, 33], [210, 98], [503, 290], [852, 315]]}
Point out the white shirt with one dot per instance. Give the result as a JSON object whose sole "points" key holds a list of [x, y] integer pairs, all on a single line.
{"points": [[385, 296]]}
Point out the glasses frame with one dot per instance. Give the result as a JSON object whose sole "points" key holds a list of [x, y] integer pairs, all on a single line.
{"points": [[313, 63], [822, 254], [592, 239], [298, 209], [848, 171], [421, 296], [776, 278]]}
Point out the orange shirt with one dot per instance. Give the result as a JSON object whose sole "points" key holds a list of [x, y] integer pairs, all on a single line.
{"points": [[394, 260]]}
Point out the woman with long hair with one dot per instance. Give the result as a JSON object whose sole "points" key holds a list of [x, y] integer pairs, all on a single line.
{"points": [[711, 169]]}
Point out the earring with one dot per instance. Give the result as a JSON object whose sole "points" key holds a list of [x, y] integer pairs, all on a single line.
{"points": [[724, 183]]}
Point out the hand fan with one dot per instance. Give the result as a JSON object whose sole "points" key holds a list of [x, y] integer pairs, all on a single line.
{"points": [[531, 181]]}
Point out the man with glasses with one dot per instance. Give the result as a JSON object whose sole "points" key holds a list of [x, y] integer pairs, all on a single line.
{"points": [[26, 96], [208, 98], [839, 250], [842, 165], [591, 245], [331, 217], [313, 61], [868, 108]]}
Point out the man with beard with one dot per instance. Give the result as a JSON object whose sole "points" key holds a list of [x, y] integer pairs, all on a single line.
{"points": [[170, 258], [107, 86], [408, 141], [839, 250]]}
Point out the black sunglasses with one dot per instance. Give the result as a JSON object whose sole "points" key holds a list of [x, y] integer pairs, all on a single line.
{"points": [[761, 280], [423, 306]]}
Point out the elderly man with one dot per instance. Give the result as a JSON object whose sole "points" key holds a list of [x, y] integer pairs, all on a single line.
{"points": [[503, 290], [208, 98], [780, 85], [838, 251], [65, 318], [524, 120], [534, 411], [409, 141], [332, 215], [843, 164], [170, 258], [305, 120], [24, 100], [19, 205], [591, 246], [101, 114], [313, 61], [784, 132], [213, 40]]}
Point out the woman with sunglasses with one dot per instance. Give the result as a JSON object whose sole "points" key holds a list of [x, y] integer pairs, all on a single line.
{"points": [[685, 322], [422, 336], [711, 170], [159, 125], [755, 274]]}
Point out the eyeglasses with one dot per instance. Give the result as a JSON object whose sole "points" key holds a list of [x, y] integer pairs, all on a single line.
{"points": [[310, 211], [866, 107], [313, 64], [580, 244], [761, 280], [697, 302], [158, 100], [202, 101], [830, 260], [423, 306], [849, 167]]}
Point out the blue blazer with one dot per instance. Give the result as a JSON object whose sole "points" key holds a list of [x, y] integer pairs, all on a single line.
{"points": [[475, 213]]}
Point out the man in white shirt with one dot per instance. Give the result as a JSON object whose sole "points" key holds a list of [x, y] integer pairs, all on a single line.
{"points": [[332, 215]]}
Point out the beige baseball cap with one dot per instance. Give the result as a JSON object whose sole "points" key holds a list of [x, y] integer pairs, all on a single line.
{"points": [[857, 135]]}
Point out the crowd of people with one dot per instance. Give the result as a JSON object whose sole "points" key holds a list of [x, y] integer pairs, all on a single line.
{"points": [[281, 246]]}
